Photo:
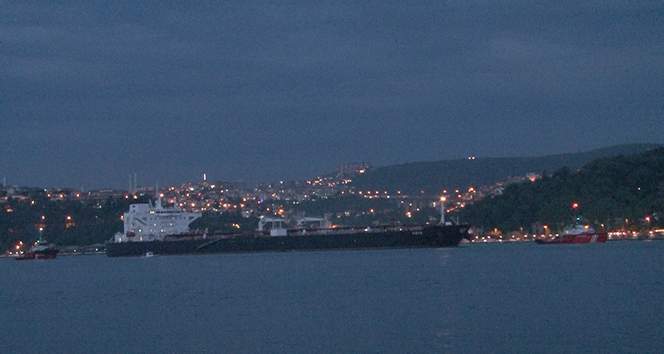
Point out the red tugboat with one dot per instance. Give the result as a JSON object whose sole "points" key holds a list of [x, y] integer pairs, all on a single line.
{"points": [[40, 250], [576, 234]]}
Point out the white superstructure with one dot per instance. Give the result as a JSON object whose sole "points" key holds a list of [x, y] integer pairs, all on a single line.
{"points": [[148, 222], [276, 226], [579, 230]]}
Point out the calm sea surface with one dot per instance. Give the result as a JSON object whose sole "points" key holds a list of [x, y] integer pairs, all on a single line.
{"points": [[488, 298]]}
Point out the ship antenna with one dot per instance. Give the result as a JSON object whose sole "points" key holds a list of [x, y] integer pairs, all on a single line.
{"points": [[157, 194]]}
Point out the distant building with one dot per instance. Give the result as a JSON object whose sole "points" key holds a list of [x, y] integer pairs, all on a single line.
{"points": [[353, 169]]}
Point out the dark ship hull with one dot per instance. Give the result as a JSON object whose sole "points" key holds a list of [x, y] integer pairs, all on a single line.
{"points": [[43, 254], [387, 237]]}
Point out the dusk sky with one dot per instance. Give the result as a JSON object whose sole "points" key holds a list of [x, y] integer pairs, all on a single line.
{"points": [[91, 92]]}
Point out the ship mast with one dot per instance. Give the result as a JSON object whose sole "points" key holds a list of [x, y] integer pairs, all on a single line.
{"points": [[158, 195], [442, 210]]}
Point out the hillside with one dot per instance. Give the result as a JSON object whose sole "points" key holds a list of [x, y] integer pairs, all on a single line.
{"points": [[432, 176], [608, 190]]}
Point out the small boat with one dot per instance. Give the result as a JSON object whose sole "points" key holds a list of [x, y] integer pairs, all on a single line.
{"points": [[576, 234], [39, 250], [149, 254]]}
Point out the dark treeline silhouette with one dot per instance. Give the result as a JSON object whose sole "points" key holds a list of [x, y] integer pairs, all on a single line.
{"points": [[433, 176], [64, 222], [624, 191]]}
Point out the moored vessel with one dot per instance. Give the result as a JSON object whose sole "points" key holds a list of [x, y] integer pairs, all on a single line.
{"points": [[576, 234], [39, 250], [157, 230]]}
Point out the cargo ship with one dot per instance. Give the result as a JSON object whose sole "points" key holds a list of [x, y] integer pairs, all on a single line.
{"points": [[576, 234], [156, 230]]}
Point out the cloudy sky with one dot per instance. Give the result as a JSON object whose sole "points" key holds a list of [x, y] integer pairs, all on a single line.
{"points": [[92, 91]]}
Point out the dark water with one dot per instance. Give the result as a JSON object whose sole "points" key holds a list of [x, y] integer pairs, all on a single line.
{"points": [[497, 298]]}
